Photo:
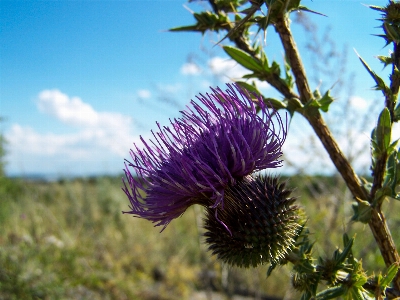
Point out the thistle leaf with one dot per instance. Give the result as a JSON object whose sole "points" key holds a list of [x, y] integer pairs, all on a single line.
{"points": [[346, 251], [288, 76], [244, 59], [249, 13], [248, 87], [391, 273], [303, 8], [392, 179], [386, 60], [378, 8], [362, 211], [317, 94], [188, 28], [384, 130], [276, 104], [380, 84], [293, 105], [205, 21], [331, 293], [357, 293], [325, 101], [391, 32]]}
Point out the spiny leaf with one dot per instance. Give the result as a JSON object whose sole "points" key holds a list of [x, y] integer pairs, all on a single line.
{"points": [[381, 194], [359, 280], [378, 8], [386, 60], [249, 87], [325, 101], [275, 68], [288, 76], [380, 84], [293, 105], [360, 294], [391, 273], [206, 21], [393, 146], [312, 107], [391, 32], [392, 179], [249, 13], [346, 241], [244, 59], [341, 258], [331, 293], [264, 61], [384, 130], [384, 37], [362, 211], [301, 7], [275, 103], [317, 94]]}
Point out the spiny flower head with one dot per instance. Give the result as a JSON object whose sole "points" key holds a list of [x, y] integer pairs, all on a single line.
{"points": [[262, 220], [390, 21], [217, 141]]}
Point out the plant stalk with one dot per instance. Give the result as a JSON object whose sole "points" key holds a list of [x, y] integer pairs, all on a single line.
{"points": [[377, 222]]}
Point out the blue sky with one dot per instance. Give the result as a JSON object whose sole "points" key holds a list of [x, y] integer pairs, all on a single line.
{"points": [[81, 80]]}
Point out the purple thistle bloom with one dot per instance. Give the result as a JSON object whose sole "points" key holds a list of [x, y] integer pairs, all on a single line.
{"points": [[218, 141]]}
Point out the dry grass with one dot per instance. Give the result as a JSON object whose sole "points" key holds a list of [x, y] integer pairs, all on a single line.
{"points": [[69, 240]]}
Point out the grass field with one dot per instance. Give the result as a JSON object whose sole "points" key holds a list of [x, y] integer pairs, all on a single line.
{"points": [[69, 240]]}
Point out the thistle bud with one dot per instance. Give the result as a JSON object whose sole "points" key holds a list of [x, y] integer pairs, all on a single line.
{"points": [[263, 223]]}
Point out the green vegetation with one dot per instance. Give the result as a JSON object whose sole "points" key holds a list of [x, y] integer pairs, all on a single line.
{"points": [[69, 240]]}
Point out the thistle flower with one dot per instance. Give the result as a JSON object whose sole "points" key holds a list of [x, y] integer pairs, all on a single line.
{"points": [[218, 141], [262, 220]]}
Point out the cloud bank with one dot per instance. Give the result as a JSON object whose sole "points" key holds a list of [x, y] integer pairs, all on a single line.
{"points": [[95, 136]]}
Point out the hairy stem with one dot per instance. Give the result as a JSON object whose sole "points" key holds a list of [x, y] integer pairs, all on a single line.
{"points": [[315, 119], [289, 45], [377, 222]]}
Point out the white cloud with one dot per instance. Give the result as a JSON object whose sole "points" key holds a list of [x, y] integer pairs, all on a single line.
{"points": [[144, 94], [223, 67], [72, 111], [95, 135], [262, 85], [358, 102], [190, 69]]}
